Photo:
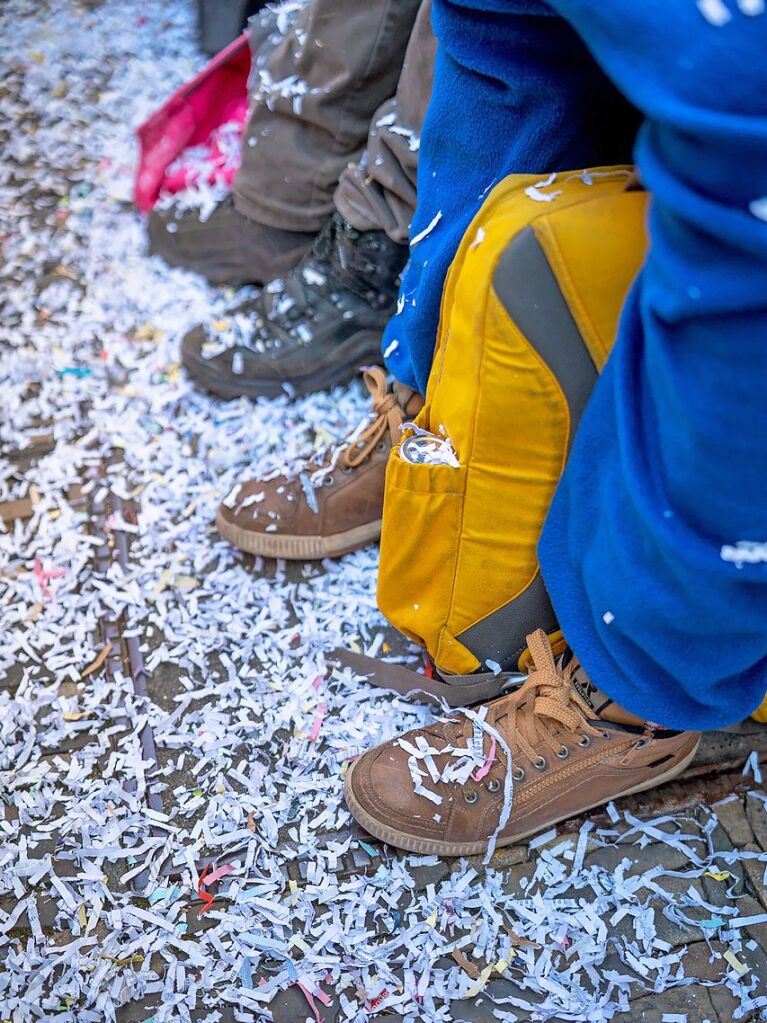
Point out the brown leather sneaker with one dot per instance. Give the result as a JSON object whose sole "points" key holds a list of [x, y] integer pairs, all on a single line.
{"points": [[496, 775], [334, 506]]}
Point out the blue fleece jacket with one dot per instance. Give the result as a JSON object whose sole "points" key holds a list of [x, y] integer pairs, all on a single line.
{"points": [[669, 470]]}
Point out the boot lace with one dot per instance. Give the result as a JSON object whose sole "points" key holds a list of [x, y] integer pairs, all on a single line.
{"points": [[342, 260]]}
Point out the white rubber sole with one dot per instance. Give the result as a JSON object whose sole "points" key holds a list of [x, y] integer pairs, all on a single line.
{"points": [[402, 840], [298, 548]]}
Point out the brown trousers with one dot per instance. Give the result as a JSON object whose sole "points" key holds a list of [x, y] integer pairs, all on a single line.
{"points": [[338, 95]]}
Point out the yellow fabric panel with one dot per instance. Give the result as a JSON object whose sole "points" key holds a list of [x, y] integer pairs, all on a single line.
{"points": [[594, 254], [517, 456], [760, 714], [459, 543], [419, 546]]}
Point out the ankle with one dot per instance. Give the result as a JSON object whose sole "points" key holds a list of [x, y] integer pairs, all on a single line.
{"points": [[618, 715], [601, 705]]}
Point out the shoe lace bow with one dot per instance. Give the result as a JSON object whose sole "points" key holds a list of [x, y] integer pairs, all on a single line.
{"points": [[386, 415], [547, 710]]}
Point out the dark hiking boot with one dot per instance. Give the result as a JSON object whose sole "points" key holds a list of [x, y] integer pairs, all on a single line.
{"points": [[312, 330], [553, 749], [335, 504], [227, 248]]}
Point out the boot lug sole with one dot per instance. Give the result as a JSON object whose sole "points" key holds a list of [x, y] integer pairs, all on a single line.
{"points": [[402, 840], [298, 548]]}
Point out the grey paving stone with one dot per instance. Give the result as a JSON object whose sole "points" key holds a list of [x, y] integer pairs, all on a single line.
{"points": [[693, 1000], [290, 1006], [514, 876], [48, 910], [704, 962], [424, 876], [141, 1011], [724, 1002], [727, 1006], [719, 837], [136, 1012], [732, 816], [716, 892], [748, 907], [196, 923], [11, 678], [756, 811], [641, 859], [674, 933], [732, 745], [754, 871]]}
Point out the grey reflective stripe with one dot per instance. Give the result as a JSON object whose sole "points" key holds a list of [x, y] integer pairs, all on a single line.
{"points": [[526, 286], [501, 636]]}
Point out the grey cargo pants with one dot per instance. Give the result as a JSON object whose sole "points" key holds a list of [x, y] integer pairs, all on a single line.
{"points": [[339, 89]]}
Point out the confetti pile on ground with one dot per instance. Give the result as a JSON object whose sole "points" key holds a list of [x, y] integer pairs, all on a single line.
{"points": [[224, 880]]}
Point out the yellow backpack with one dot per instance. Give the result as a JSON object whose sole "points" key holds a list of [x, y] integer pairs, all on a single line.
{"points": [[529, 314]]}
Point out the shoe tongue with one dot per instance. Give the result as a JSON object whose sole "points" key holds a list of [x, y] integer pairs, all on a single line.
{"points": [[593, 698], [598, 701]]}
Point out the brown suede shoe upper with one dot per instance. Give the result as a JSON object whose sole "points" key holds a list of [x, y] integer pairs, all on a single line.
{"points": [[334, 497], [227, 247], [446, 788]]}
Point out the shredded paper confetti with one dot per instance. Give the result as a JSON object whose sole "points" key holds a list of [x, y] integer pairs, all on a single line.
{"points": [[185, 847]]}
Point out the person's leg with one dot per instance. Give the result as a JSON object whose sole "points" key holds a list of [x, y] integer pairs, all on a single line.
{"points": [[644, 551], [640, 551], [512, 93], [312, 99], [337, 506], [319, 71], [379, 192], [322, 322]]}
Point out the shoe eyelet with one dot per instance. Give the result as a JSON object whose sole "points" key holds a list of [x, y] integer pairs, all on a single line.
{"points": [[605, 735], [346, 469], [540, 764], [640, 744], [381, 446], [470, 797], [518, 774], [585, 741], [494, 785], [563, 752], [328, 481]]}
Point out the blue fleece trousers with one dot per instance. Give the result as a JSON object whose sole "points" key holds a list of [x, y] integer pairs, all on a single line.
{"points": [[668, 473]]}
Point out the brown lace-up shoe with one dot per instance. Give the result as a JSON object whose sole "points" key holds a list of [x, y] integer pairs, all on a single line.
{"points": [[552, 749], [312, 330], [334, 506]]}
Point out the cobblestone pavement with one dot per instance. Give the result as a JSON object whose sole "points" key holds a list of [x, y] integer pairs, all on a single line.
{"points": [[168, 707]]}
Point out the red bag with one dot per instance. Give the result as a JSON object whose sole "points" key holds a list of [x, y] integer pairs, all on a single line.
{"points": [[216, 96]]}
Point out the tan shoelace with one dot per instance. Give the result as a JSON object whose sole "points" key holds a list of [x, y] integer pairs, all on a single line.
{"points": [[370, 433], [547, 710], [389, 416]]}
